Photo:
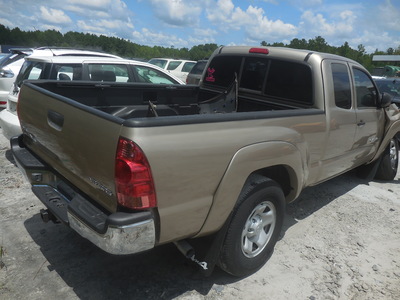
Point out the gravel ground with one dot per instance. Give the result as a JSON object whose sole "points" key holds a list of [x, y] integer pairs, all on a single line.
{"points": [[341, 240]]}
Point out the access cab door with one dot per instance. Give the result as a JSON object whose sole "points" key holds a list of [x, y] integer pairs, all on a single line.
{"points": [[354, 123]]}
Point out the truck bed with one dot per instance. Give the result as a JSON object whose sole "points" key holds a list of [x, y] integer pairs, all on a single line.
{"points": [[127, 101]]}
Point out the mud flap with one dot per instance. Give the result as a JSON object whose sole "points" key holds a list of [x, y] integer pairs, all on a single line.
{"points": [[368, 172], [207, 250]]}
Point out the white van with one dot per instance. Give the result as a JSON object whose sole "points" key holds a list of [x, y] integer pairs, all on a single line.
{"points": [[178, 67]]}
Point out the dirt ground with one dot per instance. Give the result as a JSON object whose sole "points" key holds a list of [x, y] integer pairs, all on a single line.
{"points": [[341, 240]]}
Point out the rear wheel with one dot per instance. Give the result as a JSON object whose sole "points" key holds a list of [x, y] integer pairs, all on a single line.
{"points": [[255, 227], [387, 169]]}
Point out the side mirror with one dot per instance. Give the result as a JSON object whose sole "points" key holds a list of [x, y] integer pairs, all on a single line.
{"points": [[386, 100]]}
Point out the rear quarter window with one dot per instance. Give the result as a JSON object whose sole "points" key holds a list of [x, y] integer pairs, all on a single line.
{"points": [[30, 70], [341, 85], [173, 65]]}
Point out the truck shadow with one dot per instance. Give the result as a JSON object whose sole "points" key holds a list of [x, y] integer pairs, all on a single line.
{"points": [[162, 273]]}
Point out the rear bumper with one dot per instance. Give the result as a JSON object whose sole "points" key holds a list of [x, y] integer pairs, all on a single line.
{"points": [[9, 123], [116, 233]]}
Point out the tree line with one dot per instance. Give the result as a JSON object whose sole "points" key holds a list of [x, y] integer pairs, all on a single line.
{"points": [[129, 49], [113, 45], [360, 55]]}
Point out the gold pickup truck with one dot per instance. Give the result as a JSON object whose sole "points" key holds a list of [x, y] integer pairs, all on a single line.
{"points": [[132, 166]]}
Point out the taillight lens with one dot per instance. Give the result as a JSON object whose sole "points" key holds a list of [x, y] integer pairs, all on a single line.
{"points": [[133, 179]]}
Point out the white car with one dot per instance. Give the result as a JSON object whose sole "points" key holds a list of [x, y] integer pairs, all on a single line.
{"points": [[79, 68], [178, 67], [11, 64]]}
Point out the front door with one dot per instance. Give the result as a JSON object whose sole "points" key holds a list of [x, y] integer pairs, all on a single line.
{"points": [[369, 132]]}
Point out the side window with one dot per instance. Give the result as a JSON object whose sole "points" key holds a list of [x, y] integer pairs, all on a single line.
{"points": [[109, 72], [150, 75], [365, 90], [66, 72], [222, 69], [290, 81], [173, 65], [253, 74], [341, 85]]}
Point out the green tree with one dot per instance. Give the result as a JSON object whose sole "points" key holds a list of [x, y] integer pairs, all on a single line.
{"points": [[299, 44]]}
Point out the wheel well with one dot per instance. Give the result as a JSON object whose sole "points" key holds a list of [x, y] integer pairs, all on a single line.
{"points": [[283, 175]]}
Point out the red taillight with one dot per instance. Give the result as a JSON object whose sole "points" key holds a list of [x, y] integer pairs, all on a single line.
{"points": [[133, 179], [3, 102], [259, 50]]}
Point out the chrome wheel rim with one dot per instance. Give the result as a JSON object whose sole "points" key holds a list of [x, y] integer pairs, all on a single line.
{"points": [[258, 229], [393, 154]]}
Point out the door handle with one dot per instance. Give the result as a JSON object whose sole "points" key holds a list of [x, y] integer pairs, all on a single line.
{"points": [[55, 120], [361, 123]]}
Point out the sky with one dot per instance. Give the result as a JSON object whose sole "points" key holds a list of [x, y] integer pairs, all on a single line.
{"points": [[186, 23]]}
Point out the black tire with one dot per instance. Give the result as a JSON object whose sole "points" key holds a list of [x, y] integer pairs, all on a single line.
{"points": [[387, 169], [255, 227]]}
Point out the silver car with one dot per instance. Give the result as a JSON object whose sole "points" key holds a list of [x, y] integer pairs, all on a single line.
{"points": [[9, 68]]}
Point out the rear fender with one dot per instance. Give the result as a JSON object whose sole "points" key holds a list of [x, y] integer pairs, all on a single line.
{"points": [[248, 160]]}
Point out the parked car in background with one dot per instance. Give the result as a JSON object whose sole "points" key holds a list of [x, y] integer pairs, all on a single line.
{"points": [[195, 73], [11, 64], [178, 67], [66, 68], [386, 71], [9, 67], [390, 86]]}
